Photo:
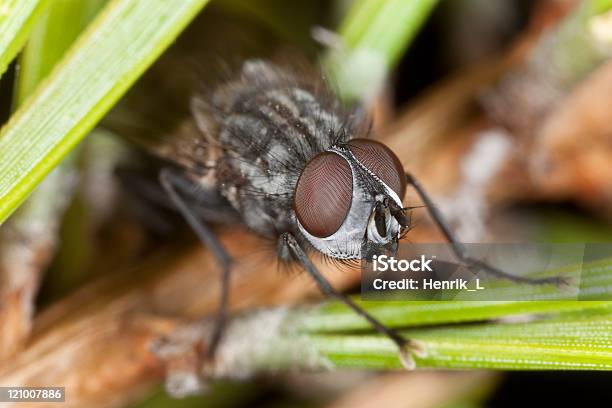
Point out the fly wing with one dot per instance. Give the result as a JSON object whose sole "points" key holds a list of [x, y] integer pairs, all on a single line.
{"points": [[165, 113]]}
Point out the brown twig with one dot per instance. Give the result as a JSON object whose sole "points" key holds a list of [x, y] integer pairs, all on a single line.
{"points": [[102, 334], [27, 244]]}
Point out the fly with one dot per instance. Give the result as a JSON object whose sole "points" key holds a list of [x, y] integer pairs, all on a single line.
{"points": [[279, 151]]}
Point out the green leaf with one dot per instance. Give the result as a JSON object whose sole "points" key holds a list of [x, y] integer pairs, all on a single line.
{"points": [[474, 334], [115, 50], [338, 318], [602, 6], [384, 26], [568, 342], [492, 335], [373, 37], [595, 285], [50, 39], [16, 20]]}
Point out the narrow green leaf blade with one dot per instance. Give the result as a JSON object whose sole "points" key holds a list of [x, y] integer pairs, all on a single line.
{"points": [[16, 20], [373, 37], [338, 318], [384, 26], [116, 49], [595, 285], [50, 39], [571, 342]]}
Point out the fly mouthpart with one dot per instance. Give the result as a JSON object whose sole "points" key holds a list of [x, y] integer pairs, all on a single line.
{"points": [[399, 213], [379, 219]]}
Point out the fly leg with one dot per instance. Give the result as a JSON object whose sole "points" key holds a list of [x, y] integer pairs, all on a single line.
{"points": [[460, 250], [407, 347], [171, 180]]}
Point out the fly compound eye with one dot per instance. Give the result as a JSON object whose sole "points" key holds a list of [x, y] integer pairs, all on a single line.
{"points": [[323, 194], [381, 161]]}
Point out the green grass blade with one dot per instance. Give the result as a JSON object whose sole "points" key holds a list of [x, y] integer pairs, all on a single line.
{"points": [[115, 50], [579, 339], [602, 6], [50, 39], [384, 26], [374, 35], [338, 318], [571, 342], [595, 285], [16, 20]]}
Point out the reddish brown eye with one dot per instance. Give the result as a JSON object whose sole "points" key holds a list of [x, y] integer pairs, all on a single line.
{"points": [[323, 194], [380, 160]]}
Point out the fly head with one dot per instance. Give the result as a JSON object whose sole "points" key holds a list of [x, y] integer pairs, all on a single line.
{"points": [[348, 200]]}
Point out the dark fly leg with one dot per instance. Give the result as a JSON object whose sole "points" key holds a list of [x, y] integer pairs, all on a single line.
{"points": [[171, 180], [460, 250], [152, 205], [146, 200], [407, 347]]}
